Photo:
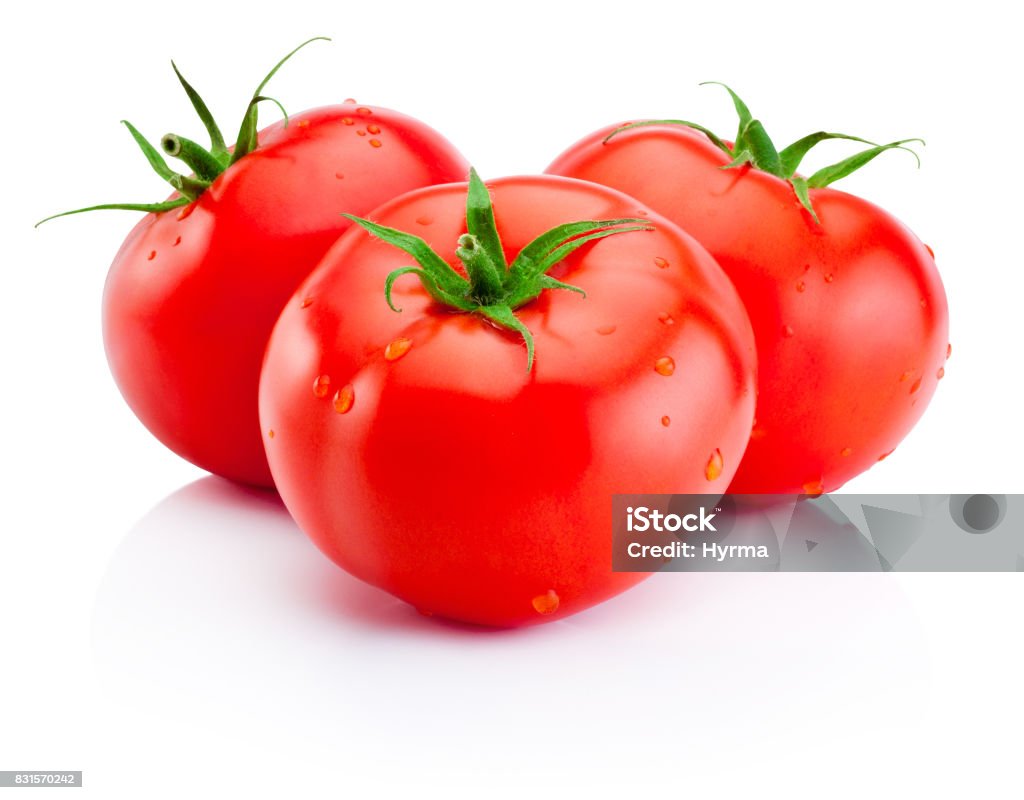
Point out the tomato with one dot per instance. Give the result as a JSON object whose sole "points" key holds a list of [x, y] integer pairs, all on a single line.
{"points": [[847, 306], [195, 289], [462, 454]]}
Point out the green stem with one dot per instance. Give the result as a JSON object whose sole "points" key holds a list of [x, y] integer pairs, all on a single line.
{"points": [[201, 161], [483, 273]]}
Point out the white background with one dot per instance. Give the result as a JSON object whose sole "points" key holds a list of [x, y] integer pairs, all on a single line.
{"points": [[189, 642]]}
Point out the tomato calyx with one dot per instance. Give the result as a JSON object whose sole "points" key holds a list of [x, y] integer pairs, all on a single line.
{"points": [[753, 146], [206, 163], [493, 288]]}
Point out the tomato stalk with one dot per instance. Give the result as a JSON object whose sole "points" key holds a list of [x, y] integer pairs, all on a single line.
{"points": [[202, 162], [753, 146], [493, 288], [206, 163]]}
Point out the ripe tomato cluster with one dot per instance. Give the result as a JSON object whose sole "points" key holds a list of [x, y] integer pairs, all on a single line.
{"points": [[447, 379]]}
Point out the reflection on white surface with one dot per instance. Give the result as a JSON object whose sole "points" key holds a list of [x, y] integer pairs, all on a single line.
{"points": [[217, 609]]}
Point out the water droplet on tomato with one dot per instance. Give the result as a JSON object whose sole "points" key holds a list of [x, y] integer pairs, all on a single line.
{"points": [[186, 211], [606, 330], [829, 277], [374, 142], [339, 175], [396, 349], [322, 385], [350, 101], [364, 111], [665, 365], [949, 350], [905, 377], [270, 434], [757, 433], [306, 302], [787, 331], [151, 256], [424, 220], [916, 386], [373, 128], [886, 455], [344, 398], [800, 286], [941, 373], [666, 421], [303, 123], [347, 121], [178, 241], [660, 262], [924, 302], [546, 603], [807, 267], [814, 488], [713, 469], [666, 318], [930, 251], [845, 452], [360, 133]]}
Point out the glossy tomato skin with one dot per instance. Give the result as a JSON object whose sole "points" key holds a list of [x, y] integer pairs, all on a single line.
{"points": [[850, 315], [193, 293], [449, 475]]}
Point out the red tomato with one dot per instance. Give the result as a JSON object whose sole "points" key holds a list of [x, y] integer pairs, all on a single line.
{"points": [[194, 291], [423, 455], [849, 314]]}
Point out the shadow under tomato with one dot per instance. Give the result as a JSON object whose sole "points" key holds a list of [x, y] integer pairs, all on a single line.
{"points": [[221, 537], [215, 609]]}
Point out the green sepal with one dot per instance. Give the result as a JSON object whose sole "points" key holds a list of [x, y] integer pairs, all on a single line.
{"points": [[394, 275], [758, 143], [440, 271], [529, 263], [155, 208], [803, 195], [739, 159], [504, 316], [745, 117], [429, 284], [217, 146], [246, 141], [753, 145], [530, 287], [790, 157], [823, 177], [717, 142], [547, 282], [248, 134], [480, 220]]}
